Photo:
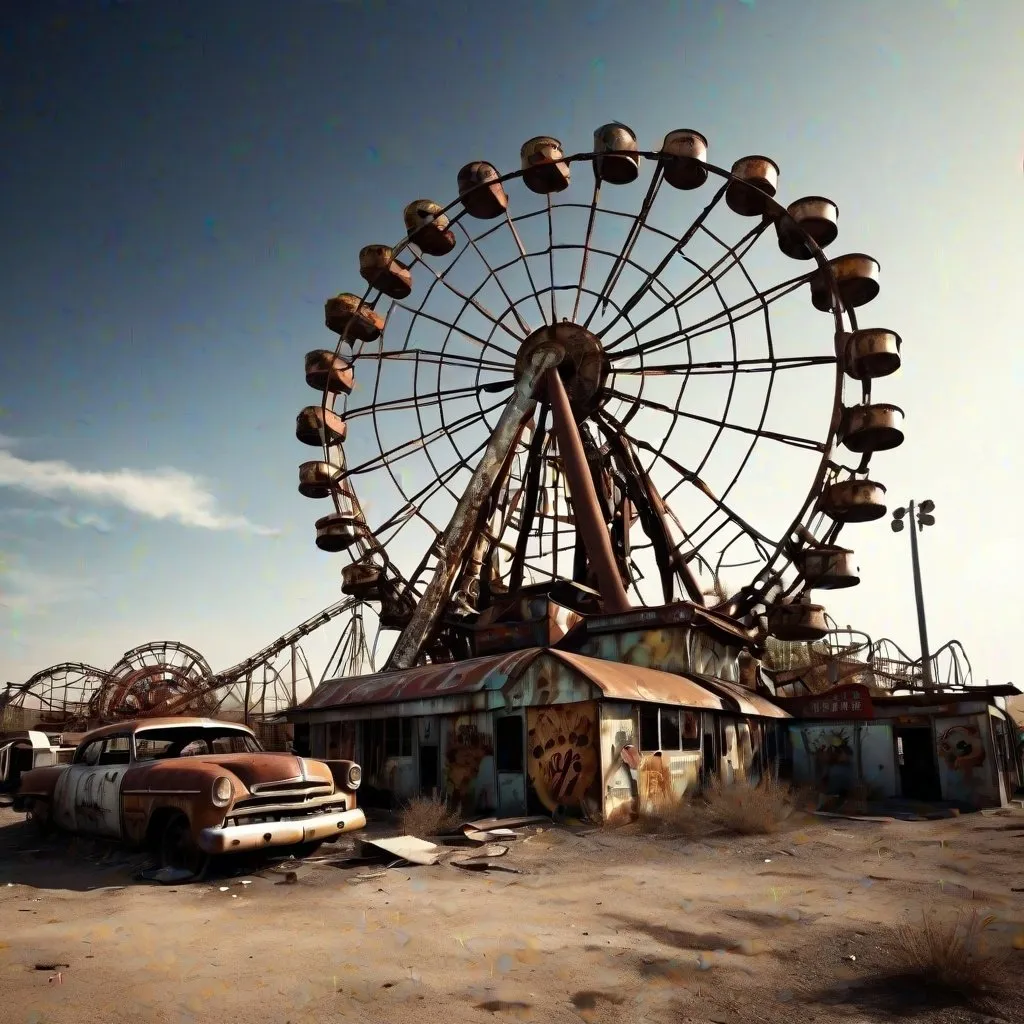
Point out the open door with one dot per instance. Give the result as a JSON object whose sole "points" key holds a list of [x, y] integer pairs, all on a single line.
{"points": [[510, 761]]}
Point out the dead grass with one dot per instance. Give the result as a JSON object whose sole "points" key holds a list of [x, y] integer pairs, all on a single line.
{"points": [[737, 808], [953, 957], [427, 816]]}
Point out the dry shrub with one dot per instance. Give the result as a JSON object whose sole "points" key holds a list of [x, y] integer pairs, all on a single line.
{"points": [[950, 956], [428, 816], [748, 810]]}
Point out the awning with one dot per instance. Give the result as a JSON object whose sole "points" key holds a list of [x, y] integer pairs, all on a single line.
{"points": [[420, 683], [631, 682], [747, 702]]}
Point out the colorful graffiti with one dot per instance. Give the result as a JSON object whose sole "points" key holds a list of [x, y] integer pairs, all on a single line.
{"points": [[830, 749], [564, 761], [467, 750], [670, 649], [963, 749]]}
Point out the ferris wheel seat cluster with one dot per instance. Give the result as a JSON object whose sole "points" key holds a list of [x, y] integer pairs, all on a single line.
{"points": [[512, 521]]}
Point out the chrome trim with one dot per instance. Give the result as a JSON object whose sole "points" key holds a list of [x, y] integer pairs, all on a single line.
{"points": [[260, 786], [160, 792]]}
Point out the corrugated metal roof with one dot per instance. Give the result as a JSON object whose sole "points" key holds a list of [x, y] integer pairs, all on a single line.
{"points": [[748, 702], [424, 681], [631, 682]]}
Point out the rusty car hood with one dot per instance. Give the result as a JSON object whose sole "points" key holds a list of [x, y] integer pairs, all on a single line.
{"points": [[250, 769]]}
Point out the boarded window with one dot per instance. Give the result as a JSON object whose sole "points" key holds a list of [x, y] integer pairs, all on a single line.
{"points": [[649, 728], [670, 738]]}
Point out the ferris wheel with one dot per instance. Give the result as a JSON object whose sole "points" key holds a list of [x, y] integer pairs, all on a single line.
{"points": [[628, 377]]}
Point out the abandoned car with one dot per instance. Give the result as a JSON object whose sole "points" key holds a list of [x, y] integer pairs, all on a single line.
{"points": [[191, 788]]}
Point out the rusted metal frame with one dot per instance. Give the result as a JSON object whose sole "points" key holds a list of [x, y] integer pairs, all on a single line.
{"points": [[720, 366], [706, 279], [677, 248], [427, 356], [468, 335], [390, 456], [523, 258], [796, 442], [734, 313], [645, 498], [452, 544], [584, 500], [523, 325], [535, 465], [471, 300], [639, 219], [551, 261], [741, 607], [585, 260], [412, 402]]}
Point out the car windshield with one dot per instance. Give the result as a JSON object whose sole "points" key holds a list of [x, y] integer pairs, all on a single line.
{"points": [[158, 744]]}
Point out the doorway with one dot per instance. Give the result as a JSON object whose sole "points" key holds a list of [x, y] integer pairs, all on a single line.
{"points": [[510, 762], [915, 758]]}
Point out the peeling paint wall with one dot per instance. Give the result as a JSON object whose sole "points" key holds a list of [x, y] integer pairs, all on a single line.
{"points": [[877, 759], [618, 730], [967, 765], [670, 649], [563, 758], [467, 743]]}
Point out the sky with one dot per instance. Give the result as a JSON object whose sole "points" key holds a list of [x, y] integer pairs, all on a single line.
{"points": [[183, 184]]}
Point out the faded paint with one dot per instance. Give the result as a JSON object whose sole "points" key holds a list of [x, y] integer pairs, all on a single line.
{"points": [[564, 758], [730, 768], [679, 649], [966, 763], [469, 762], [832, 756], [618, 730], [877, 760]]}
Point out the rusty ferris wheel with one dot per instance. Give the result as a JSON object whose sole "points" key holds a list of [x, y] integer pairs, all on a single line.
{"points": [[566, 381]]}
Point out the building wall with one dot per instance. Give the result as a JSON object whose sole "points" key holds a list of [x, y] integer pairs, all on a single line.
{"points": [[677, 649], [467, 751], [967, 761], [564, 758]]}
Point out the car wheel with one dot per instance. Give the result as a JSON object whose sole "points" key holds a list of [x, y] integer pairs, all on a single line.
{"points": [[178, 849], [39, 816]]}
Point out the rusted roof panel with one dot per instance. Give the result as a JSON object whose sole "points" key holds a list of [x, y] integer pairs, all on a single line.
{"points": [[631, 682], [749, 703], [421, 682]]}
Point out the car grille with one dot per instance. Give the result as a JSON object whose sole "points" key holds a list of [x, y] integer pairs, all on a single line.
{"points": [[287, 802]]}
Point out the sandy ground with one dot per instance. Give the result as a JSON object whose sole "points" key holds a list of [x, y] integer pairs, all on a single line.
{"points": [[598, 926]]}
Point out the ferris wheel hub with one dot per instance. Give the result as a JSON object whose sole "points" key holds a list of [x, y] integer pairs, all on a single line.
{"points": [[584, 366]]}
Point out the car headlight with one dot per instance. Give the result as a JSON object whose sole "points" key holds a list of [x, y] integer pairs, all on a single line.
{"points": [[222, 791], [355, 776]]}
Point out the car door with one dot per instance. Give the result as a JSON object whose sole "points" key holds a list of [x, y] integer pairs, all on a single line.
{"points": [[105, 785], [71, 782]]}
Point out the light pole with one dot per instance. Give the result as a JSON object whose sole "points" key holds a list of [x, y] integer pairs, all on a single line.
{"points": [[919, 517]]}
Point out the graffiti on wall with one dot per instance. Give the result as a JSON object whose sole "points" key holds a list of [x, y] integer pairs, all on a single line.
{"points": [[830, 749], [670, 649], [564, 760], [963, 749], [467, 751]]}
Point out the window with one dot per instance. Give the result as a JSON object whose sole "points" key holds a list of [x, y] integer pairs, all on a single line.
{"points": [[90, 754], [151, 749], [398, 737], [668, 729], [508, 743], [156, 744], [670, 738], [116, 751], [231, 743], [649, 728]]}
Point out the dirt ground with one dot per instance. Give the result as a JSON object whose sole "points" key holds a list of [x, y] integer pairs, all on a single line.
{"points": [[592, 925]]}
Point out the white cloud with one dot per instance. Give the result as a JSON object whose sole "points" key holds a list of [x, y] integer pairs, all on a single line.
{"points": [[67, 517], [162, 494]]}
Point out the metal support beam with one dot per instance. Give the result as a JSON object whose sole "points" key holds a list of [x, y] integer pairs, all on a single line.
{"points": [[452, 546], [586, 509]]}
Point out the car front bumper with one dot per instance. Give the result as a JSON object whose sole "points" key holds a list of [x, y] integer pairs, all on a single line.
{"points": [[263, 835]]}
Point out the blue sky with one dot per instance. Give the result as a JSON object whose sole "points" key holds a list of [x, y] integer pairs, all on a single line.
{"points": [[183, 184]]}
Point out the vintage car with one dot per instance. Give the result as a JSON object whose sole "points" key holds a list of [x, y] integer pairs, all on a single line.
{"points": [[191, 788]]}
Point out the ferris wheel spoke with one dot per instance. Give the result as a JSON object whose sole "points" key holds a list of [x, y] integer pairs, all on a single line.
{"points": [[723, 366], [526, 264], [635, 229], [417, 401], [496, 277], [588, 239], [630, 304], [453, 326], [790, 439], [424, 355], [389, 456], [538, 445]]}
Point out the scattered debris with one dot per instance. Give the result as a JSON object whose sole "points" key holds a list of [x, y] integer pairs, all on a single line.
{"points": [[474, 835], [166, 876], [408, 848], [51, 966]]}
